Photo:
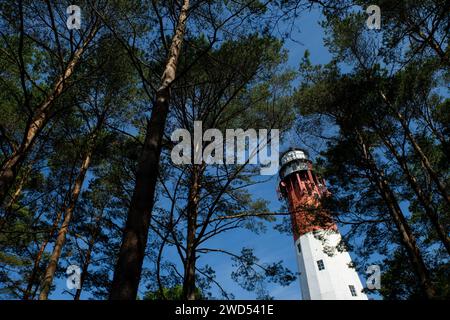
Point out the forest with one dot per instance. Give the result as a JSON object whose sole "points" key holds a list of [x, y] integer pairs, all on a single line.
{"points": [[91, 92]]}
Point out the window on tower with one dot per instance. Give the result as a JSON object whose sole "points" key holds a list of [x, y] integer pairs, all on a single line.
{"points": [[352, 290], [299, 248], [320, 264]]}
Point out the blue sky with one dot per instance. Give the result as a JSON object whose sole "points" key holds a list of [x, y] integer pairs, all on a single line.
{"points": [[270, 246]]}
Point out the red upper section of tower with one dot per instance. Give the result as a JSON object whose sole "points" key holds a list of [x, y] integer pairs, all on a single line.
{"points": [[304, 191]]}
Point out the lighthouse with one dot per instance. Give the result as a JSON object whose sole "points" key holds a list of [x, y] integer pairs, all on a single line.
{"points": [[326, 272]]}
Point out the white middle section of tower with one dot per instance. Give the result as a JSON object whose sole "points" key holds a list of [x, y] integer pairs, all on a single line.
{"points": [[326, 272]]}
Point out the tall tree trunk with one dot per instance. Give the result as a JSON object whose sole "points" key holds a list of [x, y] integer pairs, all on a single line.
{"points": [[11, 165], [192, 213], [424, 200], [128, 268], [37, 260], [61, 238], [406, 236]]}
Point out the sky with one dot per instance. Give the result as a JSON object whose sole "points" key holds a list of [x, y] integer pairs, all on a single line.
{"points": [[271, 246]]}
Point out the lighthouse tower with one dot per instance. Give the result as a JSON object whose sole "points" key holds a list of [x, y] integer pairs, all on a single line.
{"points": [[326, 273]]}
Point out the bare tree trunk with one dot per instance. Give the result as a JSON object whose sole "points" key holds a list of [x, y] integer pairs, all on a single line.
{"points": [[128, 268], [61, 238], [11, 165], [432, 215], [192, 213], [405, 233]]}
